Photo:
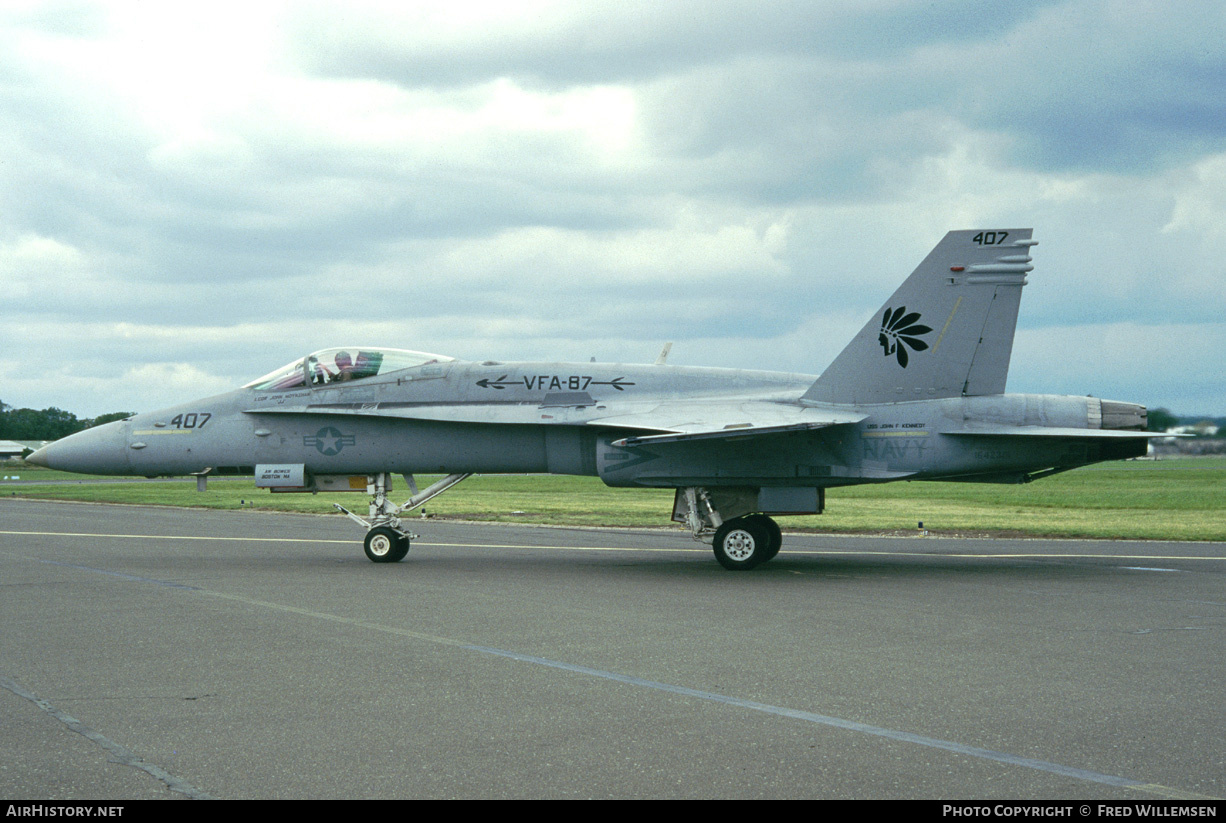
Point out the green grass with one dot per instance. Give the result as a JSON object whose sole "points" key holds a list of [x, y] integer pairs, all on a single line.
{"points": [[1179, 499]]}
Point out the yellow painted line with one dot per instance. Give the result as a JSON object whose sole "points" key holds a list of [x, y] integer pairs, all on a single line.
{"points": [[173, 537], [944, 329], [703, 548], [349, 542], [1007, 556], [558, 548]]}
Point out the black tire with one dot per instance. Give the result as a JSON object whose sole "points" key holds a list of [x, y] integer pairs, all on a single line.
{"points": [[774, 537], [385, 545], [741, 543], [402, 548]]}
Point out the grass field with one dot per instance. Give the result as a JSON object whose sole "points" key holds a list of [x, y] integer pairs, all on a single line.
{"points": [[1174, 499]]}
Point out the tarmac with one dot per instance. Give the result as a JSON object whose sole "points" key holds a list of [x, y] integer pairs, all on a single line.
{"points": [[171, 653]]}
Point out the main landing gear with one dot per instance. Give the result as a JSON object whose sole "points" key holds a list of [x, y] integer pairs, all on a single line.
{"points": [[387, 541], [740, 543]]}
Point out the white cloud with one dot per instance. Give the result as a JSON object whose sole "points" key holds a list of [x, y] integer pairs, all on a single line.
{"points": [[31, 264], [1200, 203], [222, 191]]}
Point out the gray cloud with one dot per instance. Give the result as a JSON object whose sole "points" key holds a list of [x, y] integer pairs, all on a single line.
{"points": [[750, 181], [562, 44]]}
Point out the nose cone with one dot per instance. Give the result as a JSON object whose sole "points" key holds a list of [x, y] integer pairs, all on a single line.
{"points": [[38, 457], [100, 450]]}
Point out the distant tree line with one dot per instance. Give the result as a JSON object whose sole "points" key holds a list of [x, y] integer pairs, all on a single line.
{"points": [[47, 424], [1160, 420]]}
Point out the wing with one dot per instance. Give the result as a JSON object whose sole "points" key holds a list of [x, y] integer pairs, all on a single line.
{"points": [[660, 422], [689, 421]]}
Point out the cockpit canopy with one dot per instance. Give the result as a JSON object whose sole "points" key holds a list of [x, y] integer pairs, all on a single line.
{"points": [[341, 365]]}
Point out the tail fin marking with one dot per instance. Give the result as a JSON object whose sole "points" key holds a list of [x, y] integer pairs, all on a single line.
{"points": [[947, 331]]}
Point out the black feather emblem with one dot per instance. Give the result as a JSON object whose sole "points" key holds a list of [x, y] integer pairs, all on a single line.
{"points": [[900, 330]]}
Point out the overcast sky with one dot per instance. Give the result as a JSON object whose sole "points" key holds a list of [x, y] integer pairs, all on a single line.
{"points": [[194, 194]]}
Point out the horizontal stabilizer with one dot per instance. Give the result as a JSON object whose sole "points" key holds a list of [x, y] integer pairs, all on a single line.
{"points": [[725, 433], [1051, 431], [683, 421]]}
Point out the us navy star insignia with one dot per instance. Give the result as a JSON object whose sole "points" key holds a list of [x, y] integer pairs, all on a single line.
{"points": [[328, 441]]}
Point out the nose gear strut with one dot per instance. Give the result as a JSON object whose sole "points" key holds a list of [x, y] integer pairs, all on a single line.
{"points": [[387, 541]]}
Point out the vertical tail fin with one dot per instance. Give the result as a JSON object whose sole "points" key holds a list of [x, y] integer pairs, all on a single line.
{"points": [[947, 331]]}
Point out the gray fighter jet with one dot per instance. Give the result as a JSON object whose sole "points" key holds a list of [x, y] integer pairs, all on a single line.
{"points": [[918, 394]]}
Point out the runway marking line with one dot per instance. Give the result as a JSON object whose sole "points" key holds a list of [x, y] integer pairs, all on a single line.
{"points": [[789, 552], [116, 752], [728, 700]]}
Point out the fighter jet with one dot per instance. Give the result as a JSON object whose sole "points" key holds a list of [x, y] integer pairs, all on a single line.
{"points": [[918, 394]]}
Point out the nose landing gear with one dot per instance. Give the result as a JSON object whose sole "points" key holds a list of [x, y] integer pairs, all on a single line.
{"points": [[386, 539], [386, 545]]}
